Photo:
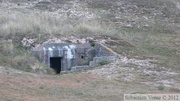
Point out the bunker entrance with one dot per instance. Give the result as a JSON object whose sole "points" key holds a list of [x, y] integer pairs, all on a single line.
{"points": [[55, 63]]}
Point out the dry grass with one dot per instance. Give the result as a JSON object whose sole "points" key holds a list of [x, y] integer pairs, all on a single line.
{"points": [[12, 24], [15, 27], [29, 23], [159, 41], [66, 87]]}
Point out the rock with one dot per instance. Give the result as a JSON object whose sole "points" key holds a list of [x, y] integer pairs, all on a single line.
{"points": [[81, 41], [28, 42], [54, 40], [45, 71], [44, 1]]}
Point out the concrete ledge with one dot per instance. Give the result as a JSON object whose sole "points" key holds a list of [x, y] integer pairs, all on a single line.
{"points": [[96, 62]]}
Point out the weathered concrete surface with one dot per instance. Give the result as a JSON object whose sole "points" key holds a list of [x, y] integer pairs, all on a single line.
{"points": [[74, 57], [78, 68], [102, 50], [98, 60], [65, 51]]}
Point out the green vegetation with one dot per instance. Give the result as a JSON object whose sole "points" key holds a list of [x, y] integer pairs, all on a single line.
{"points": [[104, 63], [93, 44], [161, 87], [158, 39], [143, 29]]}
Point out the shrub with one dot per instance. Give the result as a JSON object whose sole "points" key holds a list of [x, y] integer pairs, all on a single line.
{"points": [[93, 44], [23, 63], [104, 63], [174, 90], [161, 87]]}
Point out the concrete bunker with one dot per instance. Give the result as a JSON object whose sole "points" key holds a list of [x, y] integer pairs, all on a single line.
{"points": [[64, 57]]}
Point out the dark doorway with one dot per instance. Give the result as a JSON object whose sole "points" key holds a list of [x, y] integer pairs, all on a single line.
{"points": [[55, 63]]}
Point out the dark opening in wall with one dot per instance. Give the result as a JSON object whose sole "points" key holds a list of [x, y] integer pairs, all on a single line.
{"points": [[55, 63], [82, 57]]}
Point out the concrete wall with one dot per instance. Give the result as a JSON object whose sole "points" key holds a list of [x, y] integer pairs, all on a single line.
{"points": [[98, 60], [84, 55], [66, 51], [102, 51], [95, 62], [71, 54], [78, 68], [75, 57]]}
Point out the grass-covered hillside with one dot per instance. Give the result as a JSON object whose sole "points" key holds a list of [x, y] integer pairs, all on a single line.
{"points": [[145, 33], [151, 26]]}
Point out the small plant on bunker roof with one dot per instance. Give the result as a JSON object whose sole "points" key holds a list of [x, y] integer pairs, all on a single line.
{"points": [[93, 44], [104, 63]]}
